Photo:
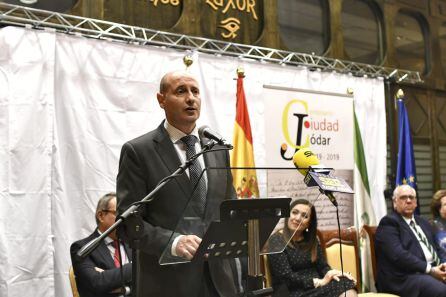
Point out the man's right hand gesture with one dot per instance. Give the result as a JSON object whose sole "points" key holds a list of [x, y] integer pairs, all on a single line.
{"points": [[187, 246]]}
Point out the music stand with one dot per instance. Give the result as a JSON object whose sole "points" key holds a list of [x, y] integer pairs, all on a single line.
{"points": [[245, 226], [230, 229]]}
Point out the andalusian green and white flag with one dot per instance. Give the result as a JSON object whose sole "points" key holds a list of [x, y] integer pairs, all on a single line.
{"points": [[364, 213]]}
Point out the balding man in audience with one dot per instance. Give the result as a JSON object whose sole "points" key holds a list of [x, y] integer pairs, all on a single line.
{"points": [[409, 261]]}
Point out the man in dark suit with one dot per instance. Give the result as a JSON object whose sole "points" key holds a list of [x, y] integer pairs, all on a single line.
{"points": [[144, 162], [98, 275], [409, 261]]}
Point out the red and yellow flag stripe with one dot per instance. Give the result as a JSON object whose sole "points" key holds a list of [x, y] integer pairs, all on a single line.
{"points": [[245, 180]]}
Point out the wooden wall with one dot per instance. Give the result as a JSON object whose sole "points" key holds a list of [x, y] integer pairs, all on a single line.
{"points": [[256, 22]]}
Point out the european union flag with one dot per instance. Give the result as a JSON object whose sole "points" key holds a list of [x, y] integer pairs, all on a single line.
{"points": [[405, 170]]}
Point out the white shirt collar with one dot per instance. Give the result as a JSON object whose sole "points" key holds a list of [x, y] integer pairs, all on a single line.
{"points": [[176, 134], [107, 240], [408, 220]]}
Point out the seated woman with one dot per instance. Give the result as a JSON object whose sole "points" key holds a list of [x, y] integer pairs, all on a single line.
{"points": [[301, 266], [438, 209]]}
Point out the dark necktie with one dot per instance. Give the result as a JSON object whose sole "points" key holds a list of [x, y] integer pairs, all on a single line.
{"points": [[423, 239], [116, 254], [199, 184]]}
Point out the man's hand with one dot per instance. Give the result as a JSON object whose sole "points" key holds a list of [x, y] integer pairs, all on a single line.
{"points": [[187, 246], [98, 269], [439, 272]]}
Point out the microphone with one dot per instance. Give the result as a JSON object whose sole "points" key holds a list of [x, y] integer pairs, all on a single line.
{"points": [[205, 131], [305, 160]]}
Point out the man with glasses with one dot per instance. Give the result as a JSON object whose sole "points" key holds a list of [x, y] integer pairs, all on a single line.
{"points": [[409, 261], [98, 275]]}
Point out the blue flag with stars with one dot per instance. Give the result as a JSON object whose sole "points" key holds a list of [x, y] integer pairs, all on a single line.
{"points": [[405, 170]]}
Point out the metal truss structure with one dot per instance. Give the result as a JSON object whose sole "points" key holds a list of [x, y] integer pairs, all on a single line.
{"points": [[93, 28]]}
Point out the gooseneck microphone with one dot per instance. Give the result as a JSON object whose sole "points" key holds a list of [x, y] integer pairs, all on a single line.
{"points": [[211, 134], [305, 160]]}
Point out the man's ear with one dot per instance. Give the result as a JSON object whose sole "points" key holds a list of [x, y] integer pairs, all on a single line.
{"points": [[99, 215], [160, 98]]}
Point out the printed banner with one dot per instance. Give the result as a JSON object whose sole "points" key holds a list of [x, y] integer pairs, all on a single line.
{"points": [[322, 122]]}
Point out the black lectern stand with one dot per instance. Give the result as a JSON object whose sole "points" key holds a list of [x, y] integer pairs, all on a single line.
{"points": [[245, 226]]}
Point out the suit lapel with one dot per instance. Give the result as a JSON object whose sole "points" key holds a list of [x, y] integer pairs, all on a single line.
{"points": [[425, 231], [412, 234], [104, 253], [128, 251], [167, 153], [405, 226]]}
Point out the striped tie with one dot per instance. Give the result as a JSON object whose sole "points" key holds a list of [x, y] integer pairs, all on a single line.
{"points": [[199, 195], [436, 260]]}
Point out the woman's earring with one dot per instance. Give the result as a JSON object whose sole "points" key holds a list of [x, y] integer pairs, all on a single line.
{"points": [[306, 230]]}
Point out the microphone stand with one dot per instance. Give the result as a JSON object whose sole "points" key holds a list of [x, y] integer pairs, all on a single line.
{"points": [[132, 210], [332, 198]]}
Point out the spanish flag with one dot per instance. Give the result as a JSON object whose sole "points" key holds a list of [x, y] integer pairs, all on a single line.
{"points": [[245, 180]]}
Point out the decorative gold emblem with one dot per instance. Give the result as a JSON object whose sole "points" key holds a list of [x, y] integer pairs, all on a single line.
{"points": [[231, 25], [169, 2], [240, 71], [188, 60]]}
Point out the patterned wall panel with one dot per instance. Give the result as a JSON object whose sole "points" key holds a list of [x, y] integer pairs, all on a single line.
{"points": [[417, 106], [440, 115]]}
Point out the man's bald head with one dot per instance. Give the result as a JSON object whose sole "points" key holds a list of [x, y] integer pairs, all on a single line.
{"points": [[164, 83], [405, 200], [179, 96]]}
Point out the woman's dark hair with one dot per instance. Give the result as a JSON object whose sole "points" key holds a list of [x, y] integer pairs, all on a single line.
{"points": [[310, 241], [436, 203]]}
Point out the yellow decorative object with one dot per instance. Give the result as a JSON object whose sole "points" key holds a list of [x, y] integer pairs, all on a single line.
{"points": [[188, 60], [240, 71], [231, 25]]}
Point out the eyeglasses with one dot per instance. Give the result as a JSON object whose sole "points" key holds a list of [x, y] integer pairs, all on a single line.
{"points": [[407, 197], [113, 212]]}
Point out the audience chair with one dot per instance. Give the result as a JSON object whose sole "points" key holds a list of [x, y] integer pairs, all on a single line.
{"points": [[73, 282], [264, 267], [282, 291], [369, 231], [329, 241]]}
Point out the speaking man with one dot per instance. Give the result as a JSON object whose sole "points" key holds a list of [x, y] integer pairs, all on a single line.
{"points": [[148, 159], [409, 261], [98, 275]]}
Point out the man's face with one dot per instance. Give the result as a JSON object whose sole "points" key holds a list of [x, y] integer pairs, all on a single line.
{"points": [[405, 201], [181, 101], [107, 217]]}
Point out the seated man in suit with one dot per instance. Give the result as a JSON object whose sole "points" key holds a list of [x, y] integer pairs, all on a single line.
{"points": [[98, 275], [409, 261]]}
